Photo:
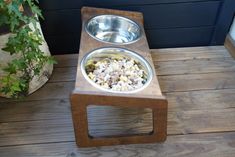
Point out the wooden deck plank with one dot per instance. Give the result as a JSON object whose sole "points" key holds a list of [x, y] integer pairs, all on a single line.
{"points": [[179, 122], [60, 108], [168, 54], [197, 145], [35, 110], [166, 68], [187, 65], [31, 132], [64, 74], [212, 81], [66, 60], [174, 83], [106, 123], [50, 91], [195, 66], [201, 102], [176, 54]]}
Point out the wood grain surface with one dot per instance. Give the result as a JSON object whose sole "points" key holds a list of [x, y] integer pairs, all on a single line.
{"points": [[85, 94], [201, 117], [89, 44], [230, 45]]}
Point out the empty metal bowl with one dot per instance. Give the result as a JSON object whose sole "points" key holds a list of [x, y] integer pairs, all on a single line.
{"points": [[109, 52], [113, 29]]}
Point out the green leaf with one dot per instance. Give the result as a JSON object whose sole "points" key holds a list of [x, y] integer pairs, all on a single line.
{"points": [[16, 87], [20, 63], [11, 68], [24, 42], [5, 90], [36, 71], [37, 1], [9, 49], [36, 10], [5, 80], [3, 19], [15, 8], [51, 60], [14, 23]]}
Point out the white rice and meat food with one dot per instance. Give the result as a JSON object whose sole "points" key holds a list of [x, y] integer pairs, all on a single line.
{"points": [[117, 73]]}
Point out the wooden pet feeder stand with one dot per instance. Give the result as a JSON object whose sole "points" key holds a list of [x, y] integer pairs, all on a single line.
{"points": [[86, 94]]}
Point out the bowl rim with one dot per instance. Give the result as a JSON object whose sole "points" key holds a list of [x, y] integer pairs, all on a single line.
{"points": [[138, 56], [121, 17]]}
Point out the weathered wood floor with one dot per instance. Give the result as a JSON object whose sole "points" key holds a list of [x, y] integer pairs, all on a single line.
{"points": [[198, 82]]}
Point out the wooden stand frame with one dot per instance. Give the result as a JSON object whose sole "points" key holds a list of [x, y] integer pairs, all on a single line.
{"points": [[85, 94], [230, 45]]}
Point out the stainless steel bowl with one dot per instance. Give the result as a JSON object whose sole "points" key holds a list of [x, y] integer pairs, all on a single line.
{"points": [[112, 51], [113, 29]]}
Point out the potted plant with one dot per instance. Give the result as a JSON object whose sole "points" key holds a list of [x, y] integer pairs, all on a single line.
{"points": [[25, 60]]}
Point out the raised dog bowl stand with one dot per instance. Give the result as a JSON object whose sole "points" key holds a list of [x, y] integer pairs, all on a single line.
{"points": [[86, 94]]}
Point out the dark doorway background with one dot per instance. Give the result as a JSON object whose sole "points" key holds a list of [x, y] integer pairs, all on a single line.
{"points": [[168, 23]]}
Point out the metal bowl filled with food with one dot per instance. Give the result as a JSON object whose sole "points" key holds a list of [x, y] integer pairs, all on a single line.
{"points": [[116, 70], [113, 29]]}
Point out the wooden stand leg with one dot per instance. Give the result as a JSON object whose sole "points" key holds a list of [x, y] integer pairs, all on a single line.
{"points": [[80, 102]]}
